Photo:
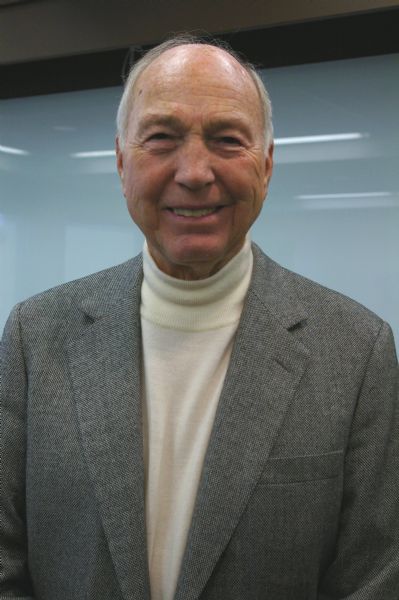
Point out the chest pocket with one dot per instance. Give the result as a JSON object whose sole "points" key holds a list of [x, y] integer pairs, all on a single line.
{"points": [[297, 469]]}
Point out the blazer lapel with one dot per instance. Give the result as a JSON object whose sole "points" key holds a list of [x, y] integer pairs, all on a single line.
{"points": [[265, 369], [105, 371]]}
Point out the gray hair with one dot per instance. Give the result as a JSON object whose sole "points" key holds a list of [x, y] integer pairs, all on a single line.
{"points": [[126, 103]]}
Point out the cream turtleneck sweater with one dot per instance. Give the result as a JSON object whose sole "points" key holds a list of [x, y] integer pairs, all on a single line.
{"points": [[187, 334]]}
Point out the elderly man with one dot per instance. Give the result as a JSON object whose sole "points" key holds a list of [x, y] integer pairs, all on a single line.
{"points": [[197, 423]]}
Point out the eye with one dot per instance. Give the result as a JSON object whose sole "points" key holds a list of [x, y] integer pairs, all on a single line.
{"points": [[160, 141], [160, 135], [229, 139], [229, 142]]}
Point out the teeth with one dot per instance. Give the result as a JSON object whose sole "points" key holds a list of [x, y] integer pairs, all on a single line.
{"points": [[185, 212]]}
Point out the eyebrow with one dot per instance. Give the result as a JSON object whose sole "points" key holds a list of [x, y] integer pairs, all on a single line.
{"points": [[158, 119], [229, 123]]}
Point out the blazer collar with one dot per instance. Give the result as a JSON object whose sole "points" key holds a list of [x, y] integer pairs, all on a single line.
{"points": [[269, 283], [276, 291], [113, 288]]}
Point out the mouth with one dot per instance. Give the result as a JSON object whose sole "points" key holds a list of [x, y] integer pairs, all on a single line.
{"points": [[195, 212]]}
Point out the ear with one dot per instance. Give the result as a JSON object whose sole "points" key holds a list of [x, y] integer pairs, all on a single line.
{"points": [[268, 165], [119, 159]]}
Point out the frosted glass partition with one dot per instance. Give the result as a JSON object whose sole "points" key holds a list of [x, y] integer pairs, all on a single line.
{"points": [[333, 207]]}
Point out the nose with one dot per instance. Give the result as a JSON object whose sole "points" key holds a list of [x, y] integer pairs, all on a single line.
{"points": [[194, 169]]}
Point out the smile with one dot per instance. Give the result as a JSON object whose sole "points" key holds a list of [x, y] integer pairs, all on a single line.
{"points": [[198, 212]]}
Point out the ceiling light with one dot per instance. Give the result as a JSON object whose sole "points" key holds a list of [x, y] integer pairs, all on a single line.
{"points": [[94, 154], [312, 139], [348, 195], [9, 150]]}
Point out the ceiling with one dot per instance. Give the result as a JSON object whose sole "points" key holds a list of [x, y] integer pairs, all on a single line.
{"points": [[32, 30]]}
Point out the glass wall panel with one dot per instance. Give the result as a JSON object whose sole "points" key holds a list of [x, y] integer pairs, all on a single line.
{"points": [[333, 208]]}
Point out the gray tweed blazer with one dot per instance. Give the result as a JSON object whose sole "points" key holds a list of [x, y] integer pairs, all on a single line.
{"points": [[298, 498]]}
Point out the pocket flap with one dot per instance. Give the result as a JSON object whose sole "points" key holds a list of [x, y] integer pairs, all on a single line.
{"points": [[302, 468]]}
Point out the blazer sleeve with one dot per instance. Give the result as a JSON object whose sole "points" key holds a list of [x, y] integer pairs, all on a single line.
{"points": [[14, 572], [366, 562]]}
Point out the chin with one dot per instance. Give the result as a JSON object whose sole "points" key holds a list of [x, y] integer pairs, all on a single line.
{"points": [[202, 254], [197, 253]]}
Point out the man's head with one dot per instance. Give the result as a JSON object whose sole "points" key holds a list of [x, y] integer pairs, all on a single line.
{"points": [[192, 155]]}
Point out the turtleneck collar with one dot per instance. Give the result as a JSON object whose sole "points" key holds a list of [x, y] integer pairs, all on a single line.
{"points": [[197, 305]]}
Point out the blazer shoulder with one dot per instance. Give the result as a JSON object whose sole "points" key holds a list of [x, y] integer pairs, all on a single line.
{"points": [[282, 289], [107, 286]]}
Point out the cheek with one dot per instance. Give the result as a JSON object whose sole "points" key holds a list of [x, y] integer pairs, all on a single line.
{"points": [[142, 195], [147, 181], [249, 190], [246, 213]]}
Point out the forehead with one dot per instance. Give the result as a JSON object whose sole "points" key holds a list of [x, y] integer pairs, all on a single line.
{"points": [[199, 76]]}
